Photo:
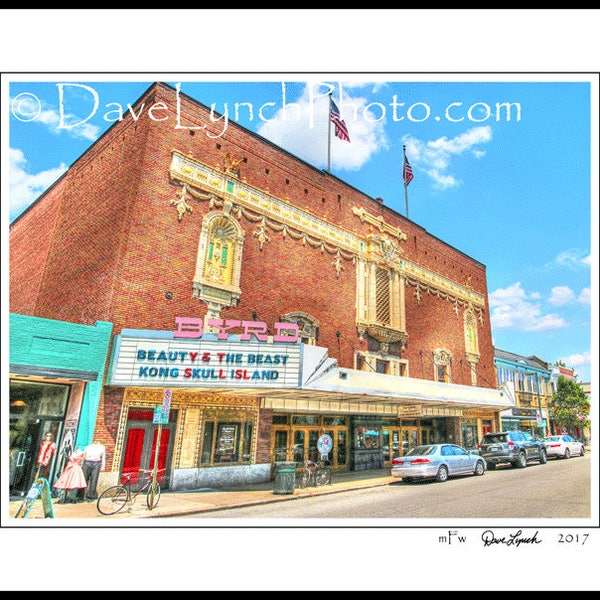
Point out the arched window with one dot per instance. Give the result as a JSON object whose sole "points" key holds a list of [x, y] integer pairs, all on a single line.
{"points": [[308, 326], [218, 264], [471, 343]]}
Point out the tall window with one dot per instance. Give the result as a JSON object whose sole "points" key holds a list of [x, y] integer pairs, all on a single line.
{"points": [[441, 373], [442, 361], [219, 262], [380, 311], [382, 296]]}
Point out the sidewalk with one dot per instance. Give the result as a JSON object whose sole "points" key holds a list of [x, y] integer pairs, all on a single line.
{"points": [[189, 503]]}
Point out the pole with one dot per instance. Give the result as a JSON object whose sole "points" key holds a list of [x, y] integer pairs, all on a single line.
{"points": [[537, 375], [404, 179], [329, 135], [155, 468]]}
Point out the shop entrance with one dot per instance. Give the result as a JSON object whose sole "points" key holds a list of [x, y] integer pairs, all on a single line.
{"points": [[305, 445], [410, 439], [28, 436], [36, 409], [295, 438], [391, 444], [140, 446]]}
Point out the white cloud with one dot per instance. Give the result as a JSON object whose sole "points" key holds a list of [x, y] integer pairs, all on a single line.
{"points": [[304, 131], [512, 308], [585, 296], [24, 188], [561, 295], [572, 258], [435, 157]]}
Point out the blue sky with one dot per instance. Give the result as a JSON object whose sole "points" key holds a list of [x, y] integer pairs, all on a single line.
{"points": [[508, 187]]}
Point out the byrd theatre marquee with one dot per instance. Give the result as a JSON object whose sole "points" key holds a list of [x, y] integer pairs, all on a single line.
{"points": [[189, 357]]}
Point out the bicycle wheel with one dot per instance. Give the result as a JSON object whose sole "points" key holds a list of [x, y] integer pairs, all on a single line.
{"points": [[153, 495], [323, 476], [304, 479], [112, 500]]}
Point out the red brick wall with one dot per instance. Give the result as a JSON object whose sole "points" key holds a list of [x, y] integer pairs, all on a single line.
{"points": [[118, 246], [29, 243], [107, 422]]}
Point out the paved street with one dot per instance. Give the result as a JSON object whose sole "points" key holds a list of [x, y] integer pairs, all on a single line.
{"points": [[558, 490]]}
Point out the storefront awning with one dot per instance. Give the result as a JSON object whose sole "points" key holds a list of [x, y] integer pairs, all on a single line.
{"points": [[385, 389]]}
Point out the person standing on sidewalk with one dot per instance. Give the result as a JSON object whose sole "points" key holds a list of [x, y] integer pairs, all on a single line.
{"points": [[94, 461]]}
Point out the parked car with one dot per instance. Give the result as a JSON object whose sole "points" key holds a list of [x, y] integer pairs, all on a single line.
{"points": [[563, 446], [517, 448], [437, 461]]}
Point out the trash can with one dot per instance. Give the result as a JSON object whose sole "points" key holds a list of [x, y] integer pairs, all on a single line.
{"points": [[285, 478]]}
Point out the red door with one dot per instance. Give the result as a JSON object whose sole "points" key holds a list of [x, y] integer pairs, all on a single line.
{"points": [[140, 445]]}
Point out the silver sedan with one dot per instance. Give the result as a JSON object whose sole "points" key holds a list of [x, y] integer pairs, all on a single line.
{"points": [[437, 461]]}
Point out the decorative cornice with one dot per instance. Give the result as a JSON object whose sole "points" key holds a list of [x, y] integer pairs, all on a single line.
{"points": [[380, 223], [188, 170], [223, 189]]}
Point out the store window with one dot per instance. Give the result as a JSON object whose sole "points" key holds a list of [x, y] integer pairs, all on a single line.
{"points": [[226, 442], [366, 438]]}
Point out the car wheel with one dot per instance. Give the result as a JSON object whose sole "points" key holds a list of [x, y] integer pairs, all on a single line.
{"points": [[442, 474], [543, 457], [479, 468], [521, 461], [407, 479], [567, 453]]}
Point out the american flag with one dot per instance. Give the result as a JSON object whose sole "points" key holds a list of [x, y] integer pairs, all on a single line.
{"points": [[341, 130], [408, 173]]}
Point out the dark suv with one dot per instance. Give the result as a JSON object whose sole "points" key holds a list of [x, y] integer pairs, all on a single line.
{"points": [[515, 447]]}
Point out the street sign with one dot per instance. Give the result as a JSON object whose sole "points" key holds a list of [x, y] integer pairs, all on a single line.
{"points": [[160, 417], [325, 444], [166, 404]]}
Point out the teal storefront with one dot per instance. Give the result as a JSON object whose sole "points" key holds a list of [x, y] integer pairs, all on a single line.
{"points": [[56, 375]]}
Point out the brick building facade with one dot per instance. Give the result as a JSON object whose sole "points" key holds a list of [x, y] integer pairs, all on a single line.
{"points": [[163, 218]]}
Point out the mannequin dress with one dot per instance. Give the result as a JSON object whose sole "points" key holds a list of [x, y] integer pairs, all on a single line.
{"points": [[72, 478]]}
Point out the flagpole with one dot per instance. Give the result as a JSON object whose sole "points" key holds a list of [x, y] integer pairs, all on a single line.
{"points": [[405, 184], [329, 135]]}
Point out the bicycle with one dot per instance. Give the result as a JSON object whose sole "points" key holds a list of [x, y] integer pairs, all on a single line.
{"points": [[318, 472], [116, 497]]}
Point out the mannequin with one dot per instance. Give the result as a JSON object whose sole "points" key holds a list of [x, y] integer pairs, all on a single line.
{"points": [[45, 456], [72, 478]]}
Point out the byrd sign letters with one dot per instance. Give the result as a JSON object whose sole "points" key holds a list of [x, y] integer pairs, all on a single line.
{"points": [[191, 357]]}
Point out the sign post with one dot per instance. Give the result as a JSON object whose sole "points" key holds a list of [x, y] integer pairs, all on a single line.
{"points": [[161, 415]]}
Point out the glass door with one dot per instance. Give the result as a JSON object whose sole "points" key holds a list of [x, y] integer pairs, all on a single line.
{"points": [[280, 445], [410, 439], [391, 445]]}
